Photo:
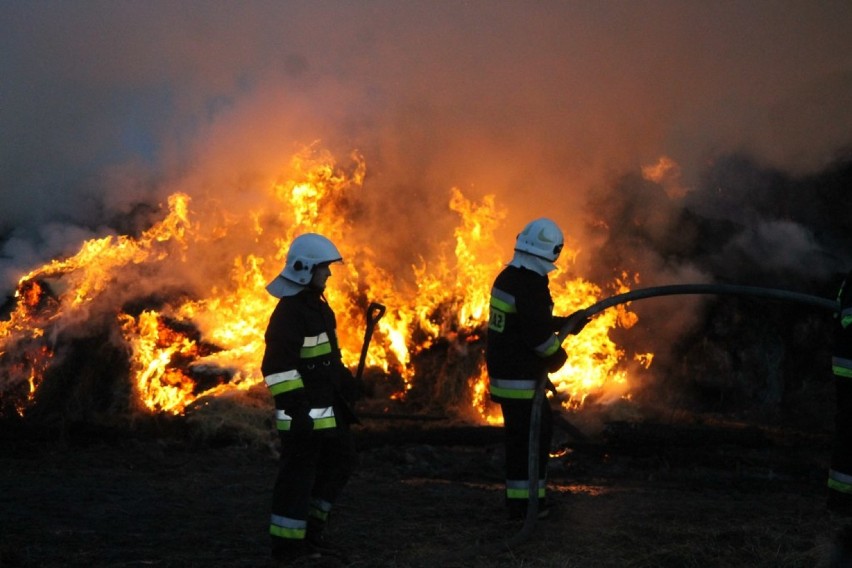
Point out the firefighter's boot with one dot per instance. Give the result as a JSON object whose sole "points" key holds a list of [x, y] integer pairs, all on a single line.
{"points": [[288, 551]]}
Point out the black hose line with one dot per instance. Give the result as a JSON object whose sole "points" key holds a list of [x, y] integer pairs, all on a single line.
{"points": [[570, 325], [682, 289]]}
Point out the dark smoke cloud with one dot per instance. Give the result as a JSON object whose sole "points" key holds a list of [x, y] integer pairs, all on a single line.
{"points": [[107, 107], [744, 223]]}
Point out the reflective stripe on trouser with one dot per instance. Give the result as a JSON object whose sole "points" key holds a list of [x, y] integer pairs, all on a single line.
{"points": [[319, 509], [520, 489], [841, 367], [516, 426], [512, 388], [839, 481], [323, 418], [285, 527], [312, 472]]}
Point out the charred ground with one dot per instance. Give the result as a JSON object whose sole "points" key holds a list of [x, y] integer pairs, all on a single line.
{"points": [[683, 491]]}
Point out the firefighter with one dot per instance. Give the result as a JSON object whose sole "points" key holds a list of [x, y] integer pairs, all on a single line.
{"points": [[522, 348], [303, 369], [840, 473]]}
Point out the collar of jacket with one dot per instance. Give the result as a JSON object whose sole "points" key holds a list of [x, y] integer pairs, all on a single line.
{"points": [[538, 265]]}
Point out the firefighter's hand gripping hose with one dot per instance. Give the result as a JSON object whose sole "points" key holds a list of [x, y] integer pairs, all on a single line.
{"points": [[569, 327]]}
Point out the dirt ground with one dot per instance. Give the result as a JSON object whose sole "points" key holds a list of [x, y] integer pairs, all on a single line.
{"points": [[632, 500]]}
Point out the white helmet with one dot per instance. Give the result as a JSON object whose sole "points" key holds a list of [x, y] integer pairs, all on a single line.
{"points": [[541, 238], [305, 254]]}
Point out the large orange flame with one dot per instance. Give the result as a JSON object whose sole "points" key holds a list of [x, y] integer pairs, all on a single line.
{"points": [[220, 327]]}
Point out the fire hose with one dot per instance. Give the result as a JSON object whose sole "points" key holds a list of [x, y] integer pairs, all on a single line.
{"points": [[569, 327]]}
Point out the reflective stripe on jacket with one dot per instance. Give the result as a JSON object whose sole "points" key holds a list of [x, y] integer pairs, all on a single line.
{"points": [[509, 388], [323, 418], [283, 382], [315, 346], [841, 367], [841, 361], [846, 317]]}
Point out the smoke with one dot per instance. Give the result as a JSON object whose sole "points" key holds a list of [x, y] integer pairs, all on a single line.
{"points": [[107, 108], [747, 223]]}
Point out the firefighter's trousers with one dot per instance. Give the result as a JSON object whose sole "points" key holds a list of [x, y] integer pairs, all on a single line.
{"points": [[516, 430], [313, 470]]}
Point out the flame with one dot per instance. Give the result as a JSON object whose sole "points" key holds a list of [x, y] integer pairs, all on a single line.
{"points": [[668, 174], [593, 364], [26, 358], [202, 335]]}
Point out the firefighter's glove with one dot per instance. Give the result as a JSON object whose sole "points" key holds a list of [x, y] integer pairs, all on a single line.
{"points": [[579, 319], [551, 387], [351, 389], [555, 361], [301, 423], [583, 320]]}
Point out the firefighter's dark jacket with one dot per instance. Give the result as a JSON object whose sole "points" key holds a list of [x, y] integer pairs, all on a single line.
{"points": [[522, 345], [841, 362], [302, 365]]}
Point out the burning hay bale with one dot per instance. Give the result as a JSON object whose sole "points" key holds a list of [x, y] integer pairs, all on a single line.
{"points": [[445, 373], [79, 372], [188, 318], [88, 382], [243, 417]]}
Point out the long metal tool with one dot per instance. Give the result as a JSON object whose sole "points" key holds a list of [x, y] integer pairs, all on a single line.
{"points": [[374, 313]]}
